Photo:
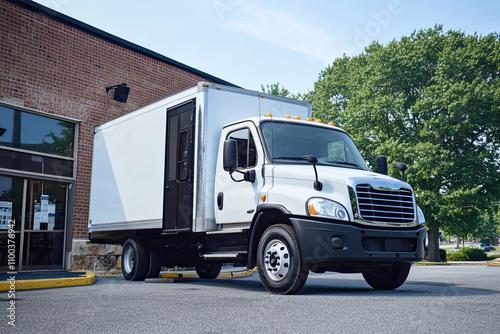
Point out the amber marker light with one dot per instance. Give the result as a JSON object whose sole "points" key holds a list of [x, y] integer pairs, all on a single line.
{"points": [[309, 119], [318, 121], [297, 117], [311, 210], [331, 123], [288, 116], [263, 197], [268, 114]]}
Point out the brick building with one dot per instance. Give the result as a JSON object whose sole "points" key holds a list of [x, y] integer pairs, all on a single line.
{"points": [[54, 71]]}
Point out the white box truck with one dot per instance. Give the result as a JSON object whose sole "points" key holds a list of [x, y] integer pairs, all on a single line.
{"points": [[219, 175]]}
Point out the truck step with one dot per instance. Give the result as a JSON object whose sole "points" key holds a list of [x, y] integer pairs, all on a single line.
{"points": [[218, 257]]}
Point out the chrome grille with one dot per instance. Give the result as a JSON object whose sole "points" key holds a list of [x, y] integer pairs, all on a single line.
{"points": [[385, 206]]}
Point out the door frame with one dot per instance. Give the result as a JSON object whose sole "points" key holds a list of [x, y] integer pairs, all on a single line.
{"points": [[168, 225], [68, 223]]}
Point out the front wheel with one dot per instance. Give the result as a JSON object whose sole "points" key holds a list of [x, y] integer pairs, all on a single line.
{"points": [[279, 263], [388, 277]]}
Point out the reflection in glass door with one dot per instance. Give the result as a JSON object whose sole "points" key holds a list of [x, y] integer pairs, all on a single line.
{"points": [[11, 208], [39, 211], [44, 225]]}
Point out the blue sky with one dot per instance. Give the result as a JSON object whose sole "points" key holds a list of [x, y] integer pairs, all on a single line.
{"points": [[250, 43]]}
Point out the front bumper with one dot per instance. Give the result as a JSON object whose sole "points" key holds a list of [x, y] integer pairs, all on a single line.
{"points": [[326, 244]]}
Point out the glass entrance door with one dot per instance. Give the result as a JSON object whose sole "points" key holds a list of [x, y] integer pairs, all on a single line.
{"points": [[43, 246], [38, 209]]}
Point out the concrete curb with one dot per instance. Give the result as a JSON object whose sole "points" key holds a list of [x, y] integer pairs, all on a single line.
{"points": [[493, 263], [86, 278], [463, 263]]}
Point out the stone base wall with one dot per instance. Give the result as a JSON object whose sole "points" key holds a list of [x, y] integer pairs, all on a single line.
{"points": [[99, 258]]}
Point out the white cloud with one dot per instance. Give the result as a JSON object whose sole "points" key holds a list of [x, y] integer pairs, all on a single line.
{"points": [[279, 28]]}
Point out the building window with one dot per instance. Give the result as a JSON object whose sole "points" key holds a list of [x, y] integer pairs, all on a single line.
{"points": [[23, 130], [35, 143]]}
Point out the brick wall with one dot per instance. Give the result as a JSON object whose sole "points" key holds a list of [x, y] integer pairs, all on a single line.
{"points": [[52, 67]]}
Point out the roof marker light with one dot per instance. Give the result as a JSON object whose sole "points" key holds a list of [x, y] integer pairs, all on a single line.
{"points": [[288, 116], [318, 121], [309, 119], [268, 114], [331, 123], [297, 117]]}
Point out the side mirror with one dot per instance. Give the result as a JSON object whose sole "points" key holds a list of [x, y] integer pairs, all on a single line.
{"points": [[401, 166], [230, 155], [382, 165], [313, 160]]}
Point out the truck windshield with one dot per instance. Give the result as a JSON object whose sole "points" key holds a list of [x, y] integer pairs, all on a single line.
{"points": [[286, 142]]}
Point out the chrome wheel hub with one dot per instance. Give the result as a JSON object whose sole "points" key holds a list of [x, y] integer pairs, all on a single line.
{"points": [[276, 260], [128, 259]]}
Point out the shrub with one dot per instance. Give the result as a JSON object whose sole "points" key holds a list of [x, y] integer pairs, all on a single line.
{"points": [[467, 254], [475, 254], [457, 256], [442, 254]]}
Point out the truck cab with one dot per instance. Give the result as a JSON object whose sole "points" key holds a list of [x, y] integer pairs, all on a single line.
{"points": [[308, 184]]}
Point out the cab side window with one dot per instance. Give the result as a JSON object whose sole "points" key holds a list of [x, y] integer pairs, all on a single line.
{"points": [[247, 154]]}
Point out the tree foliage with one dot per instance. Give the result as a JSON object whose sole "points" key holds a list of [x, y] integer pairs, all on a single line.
{"points": [[431, 100], [487, 226], [275, 89]]}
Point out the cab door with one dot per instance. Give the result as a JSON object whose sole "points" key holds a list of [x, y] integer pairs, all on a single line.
{"points": [[236, 199]]}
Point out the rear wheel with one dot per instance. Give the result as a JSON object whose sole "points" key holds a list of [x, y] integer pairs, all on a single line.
{"points": [[155, 258], [135, 260], [279, 263], [388, 277], [208, 270]]}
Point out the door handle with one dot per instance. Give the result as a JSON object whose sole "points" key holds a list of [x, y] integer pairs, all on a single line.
{"points": [[220, 200]]}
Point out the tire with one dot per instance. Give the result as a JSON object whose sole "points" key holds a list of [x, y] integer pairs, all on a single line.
{"points": [[279, 263], [389, 277], [208, 270], [135, 262], [155, 261]]}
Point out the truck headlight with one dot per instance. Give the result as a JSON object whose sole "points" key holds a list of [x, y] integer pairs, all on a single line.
{"points": [[325, 208], [420, 215]]}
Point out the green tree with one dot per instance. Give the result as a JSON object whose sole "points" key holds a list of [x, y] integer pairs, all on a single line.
{"points": [[275, 89], [496, 217], [486, 227], [62, 143], [431, 100]]}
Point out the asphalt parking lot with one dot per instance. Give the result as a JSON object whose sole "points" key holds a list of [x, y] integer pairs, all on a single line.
{"points": [[435, 299]]}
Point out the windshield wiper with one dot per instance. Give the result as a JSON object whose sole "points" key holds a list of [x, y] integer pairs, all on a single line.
{"points": [[291, 158], [344, 163]]}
